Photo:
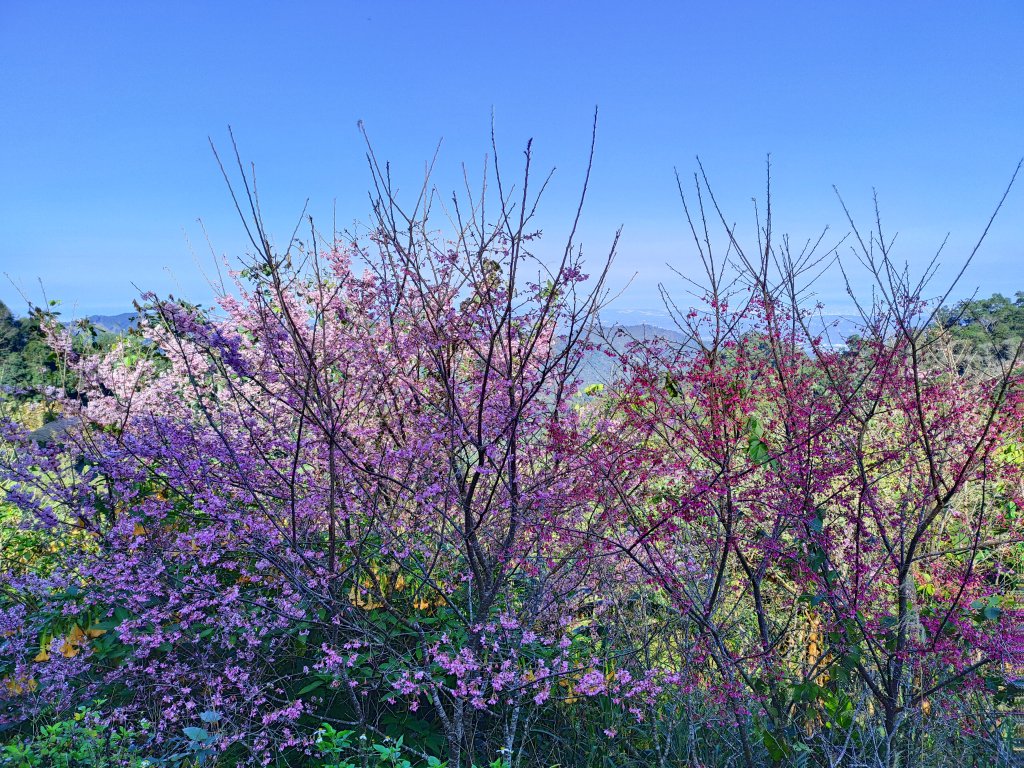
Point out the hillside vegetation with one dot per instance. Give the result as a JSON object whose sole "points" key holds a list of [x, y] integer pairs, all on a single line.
{"points": [[365, 513]]}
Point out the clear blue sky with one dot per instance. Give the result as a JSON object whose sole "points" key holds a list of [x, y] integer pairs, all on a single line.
{"points": [[105, 111]]}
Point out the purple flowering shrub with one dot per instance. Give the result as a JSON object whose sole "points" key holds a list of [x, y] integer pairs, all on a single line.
{"points": [[367, 493]]}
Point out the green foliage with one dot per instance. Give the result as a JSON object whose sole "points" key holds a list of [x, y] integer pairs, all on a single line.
{"points": [[26, 362], [8, 331], [82, 741], [995, 323], [28, 365], [338, 749], [22, 550]]}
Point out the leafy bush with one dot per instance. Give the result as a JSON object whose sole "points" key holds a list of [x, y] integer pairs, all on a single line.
{"points": [[84, 740]]}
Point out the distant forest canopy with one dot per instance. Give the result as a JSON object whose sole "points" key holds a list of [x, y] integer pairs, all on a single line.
{"points": [[996, 321], [28, 366], [26, 361], [991, 326]]}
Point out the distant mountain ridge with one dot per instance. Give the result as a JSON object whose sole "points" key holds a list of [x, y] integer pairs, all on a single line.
{"points": [[600, 368], [115, 323], [839, 326]]}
